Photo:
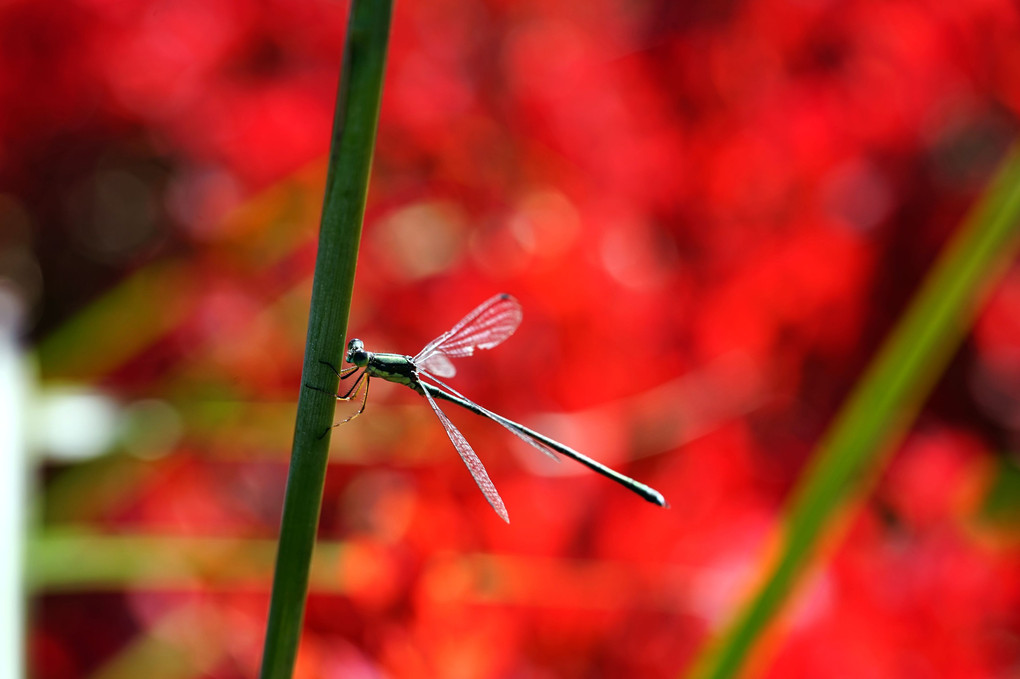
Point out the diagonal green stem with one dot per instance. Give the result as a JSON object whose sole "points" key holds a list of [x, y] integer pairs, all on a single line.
{"points": [[350, 161], [881, 407]]}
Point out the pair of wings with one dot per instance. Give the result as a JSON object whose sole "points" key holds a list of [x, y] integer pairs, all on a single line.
{"points": [[484, 328], [487, 326]]}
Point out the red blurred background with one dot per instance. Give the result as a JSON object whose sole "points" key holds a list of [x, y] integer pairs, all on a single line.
{"points": [[711, 213]]}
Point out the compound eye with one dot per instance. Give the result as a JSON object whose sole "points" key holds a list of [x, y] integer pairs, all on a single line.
{"points": [[356, 354]]}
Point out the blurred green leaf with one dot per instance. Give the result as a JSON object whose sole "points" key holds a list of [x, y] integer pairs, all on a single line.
{"points": [[880, 409], [1001, 505], [78, 559]]}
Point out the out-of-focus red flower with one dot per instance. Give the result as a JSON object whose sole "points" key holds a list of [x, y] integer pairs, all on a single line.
{"points": [[667, 188]]}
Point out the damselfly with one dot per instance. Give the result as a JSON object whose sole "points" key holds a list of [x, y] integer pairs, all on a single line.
{"points": [[484, 328]]}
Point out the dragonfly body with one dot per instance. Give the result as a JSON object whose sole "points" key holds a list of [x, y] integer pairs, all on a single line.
{"points": [[391, 367], [485, 327]]}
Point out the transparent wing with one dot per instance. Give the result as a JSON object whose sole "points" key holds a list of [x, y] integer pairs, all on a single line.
{"points": [[499, 419], [474, 465], [485, 327], [438, 364]]}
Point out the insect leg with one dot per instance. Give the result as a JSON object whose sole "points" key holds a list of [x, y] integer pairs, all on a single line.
{"points": [[351, 393], [364, 400], [342, 374], [354, 387]]}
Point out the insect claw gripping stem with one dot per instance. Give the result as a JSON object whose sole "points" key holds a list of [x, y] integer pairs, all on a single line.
{"points": [[330, 366], [343, 374], [314, 388], [324, 391]]}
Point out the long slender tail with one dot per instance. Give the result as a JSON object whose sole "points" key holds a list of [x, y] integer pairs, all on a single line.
{"points": [[647, 492]]}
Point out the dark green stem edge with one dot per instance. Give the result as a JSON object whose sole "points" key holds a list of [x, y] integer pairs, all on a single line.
{"points": [[879, 411], [350, 162]]}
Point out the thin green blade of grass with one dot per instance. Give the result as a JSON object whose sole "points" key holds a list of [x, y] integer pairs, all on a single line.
{"points": [[350, 161], [73, 558], [879, 410]]}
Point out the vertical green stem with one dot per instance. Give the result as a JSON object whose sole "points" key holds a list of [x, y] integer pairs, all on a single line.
{"points": [[881, 407], [350, 161]]}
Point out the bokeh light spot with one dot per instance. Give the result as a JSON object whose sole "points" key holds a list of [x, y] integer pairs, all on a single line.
{"points": [[420, 240]]}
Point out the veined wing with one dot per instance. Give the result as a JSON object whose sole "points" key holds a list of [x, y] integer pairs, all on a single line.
{"points": [[474, 465], [509, 425], [545, 443], [438, 364], [488, 325]]}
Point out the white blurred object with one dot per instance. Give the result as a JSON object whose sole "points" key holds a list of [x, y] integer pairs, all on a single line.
{"points": [[72, 423], [75, 423], [13, 485], [67, 424]]}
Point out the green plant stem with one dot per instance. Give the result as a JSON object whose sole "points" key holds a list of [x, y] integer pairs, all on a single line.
{"points": [[350, 161], [881, 408]]}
